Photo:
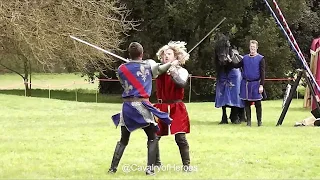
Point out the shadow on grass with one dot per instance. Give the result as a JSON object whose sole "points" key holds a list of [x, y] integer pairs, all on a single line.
{"points": [[80, 95]]}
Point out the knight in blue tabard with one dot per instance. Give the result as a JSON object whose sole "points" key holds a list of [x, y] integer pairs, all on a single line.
{"points": [[137, 112], [252, 84]]}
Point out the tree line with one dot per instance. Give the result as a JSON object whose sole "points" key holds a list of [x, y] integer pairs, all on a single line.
{"points": [[34, 35]]}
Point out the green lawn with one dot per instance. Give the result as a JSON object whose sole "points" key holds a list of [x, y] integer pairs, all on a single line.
{"points": [[43, 138], [71, 87], [47, 81]]}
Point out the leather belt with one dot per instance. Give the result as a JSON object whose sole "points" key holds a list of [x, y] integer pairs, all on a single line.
{"points": [[169, 101], [135, 99], [251, 80]]}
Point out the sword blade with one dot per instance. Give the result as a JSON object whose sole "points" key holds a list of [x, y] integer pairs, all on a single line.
{"points": [[207, 34], [99, 48]]}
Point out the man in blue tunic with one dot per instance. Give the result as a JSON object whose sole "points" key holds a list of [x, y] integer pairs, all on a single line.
{"points": [[137, 111], [253, 76]]}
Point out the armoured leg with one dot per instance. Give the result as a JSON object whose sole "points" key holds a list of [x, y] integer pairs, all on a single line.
{"points": [[120, 147], [158, 162], [151, 145], [118, 152], [183, 145]]}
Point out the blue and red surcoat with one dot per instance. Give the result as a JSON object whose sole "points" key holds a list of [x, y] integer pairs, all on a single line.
{"points": [[136, 80]]}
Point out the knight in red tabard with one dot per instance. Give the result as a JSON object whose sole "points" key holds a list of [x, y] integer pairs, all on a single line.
{"points": [[170, 93]]}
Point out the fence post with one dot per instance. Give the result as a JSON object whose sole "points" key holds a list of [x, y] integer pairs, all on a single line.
{"points": [[97, 95], [49, 92], [76, 91], [190, 76], [25, 89]]}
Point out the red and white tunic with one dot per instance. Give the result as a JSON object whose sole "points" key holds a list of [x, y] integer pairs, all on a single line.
{"points": [[170, 93]]}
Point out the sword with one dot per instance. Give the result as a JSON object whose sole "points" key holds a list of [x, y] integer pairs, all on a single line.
{"points": [[205, 37], [207, 34], [99, 48]]}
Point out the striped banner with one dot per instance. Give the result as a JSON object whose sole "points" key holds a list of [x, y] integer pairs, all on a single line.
{"points": [[288, 29], [292, 42]]}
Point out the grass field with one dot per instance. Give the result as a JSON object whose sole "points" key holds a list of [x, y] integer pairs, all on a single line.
{"points": [[71, 87], [45, 81], [45, 138]]}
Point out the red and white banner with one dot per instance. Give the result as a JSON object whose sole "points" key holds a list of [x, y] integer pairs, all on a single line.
{"points": [[315, 60]]}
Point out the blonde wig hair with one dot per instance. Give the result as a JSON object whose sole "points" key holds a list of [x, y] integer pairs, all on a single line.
{"points": [[179, 49]]}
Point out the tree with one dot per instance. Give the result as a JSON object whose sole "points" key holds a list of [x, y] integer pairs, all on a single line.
{"points": [[277, 52], [184, 20], [190, 20], [36, 32]]}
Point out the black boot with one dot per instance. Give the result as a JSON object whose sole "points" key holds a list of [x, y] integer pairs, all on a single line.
{"points": [[183, 145], [259, 115], [118, 152], [158, 162], [241, 115], [152, 145], [224, 119], [234, 115], [248, 114], [231, 116], [185, 157]]}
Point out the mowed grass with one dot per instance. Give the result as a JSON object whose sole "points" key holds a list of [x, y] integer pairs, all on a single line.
{"points": [[71, 87], [43, 138], [48, 81]]}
